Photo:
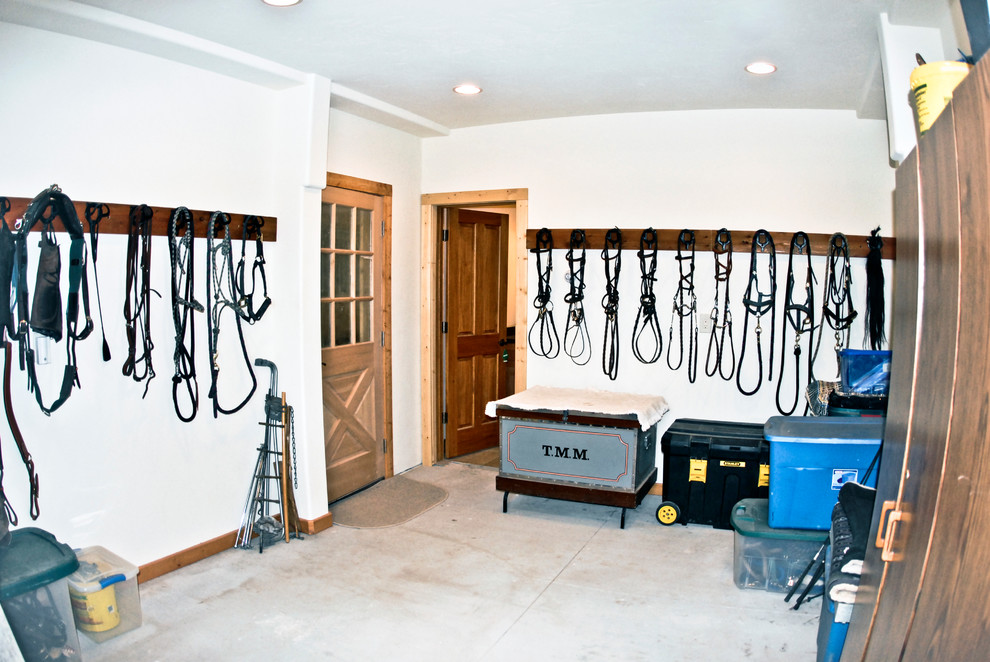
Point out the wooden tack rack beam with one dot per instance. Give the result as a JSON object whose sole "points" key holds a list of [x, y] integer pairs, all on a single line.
{"points": [[119, 220], [704, 240]]}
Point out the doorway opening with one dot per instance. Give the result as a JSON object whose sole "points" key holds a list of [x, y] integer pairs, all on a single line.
{"points": [[435, 344]]}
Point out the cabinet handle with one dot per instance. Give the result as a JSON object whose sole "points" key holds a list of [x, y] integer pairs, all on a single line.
{"points": [[888, 553], [881, 529]]}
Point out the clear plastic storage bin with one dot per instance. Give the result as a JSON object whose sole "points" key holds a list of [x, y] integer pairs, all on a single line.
{"points": [[104, 594]]}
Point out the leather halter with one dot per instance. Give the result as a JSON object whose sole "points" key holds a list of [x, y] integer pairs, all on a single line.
{"points": [[137, 302], [721, 337], [800, 317], [253, 225], [95, 213], [220, 296], [646, 318], [685, 306], [183, 305], [837, 304], [612, 255], [758, 301], [577, 342], [549, 342]]}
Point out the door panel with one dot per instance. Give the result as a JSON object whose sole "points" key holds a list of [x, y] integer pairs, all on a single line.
{"points": [[353, 371], [476, 304]]}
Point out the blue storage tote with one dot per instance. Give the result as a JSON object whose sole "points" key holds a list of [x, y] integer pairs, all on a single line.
{"points": [[811, 457]]}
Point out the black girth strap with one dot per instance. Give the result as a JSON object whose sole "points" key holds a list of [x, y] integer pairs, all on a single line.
{"points": [[183, 304], [685, 306], [6, 271], [875, 301], [612, 255], [577, 342], [721, 338], [646, 318], [220, 296], [45, 314], [800, 317], [253, 225], [95, 213], [549, 343], [137, 300], [837, 305], [758, 301]]}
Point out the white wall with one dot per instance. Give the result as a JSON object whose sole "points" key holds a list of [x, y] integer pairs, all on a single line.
{"points": [[113, 125], [364, 149], [817, 171]]}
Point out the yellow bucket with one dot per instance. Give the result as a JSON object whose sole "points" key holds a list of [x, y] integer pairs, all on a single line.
{"points": [[97, 611], [931, 88]]}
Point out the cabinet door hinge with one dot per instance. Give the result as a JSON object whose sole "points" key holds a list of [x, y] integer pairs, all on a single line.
{"points": [[443, 327], [445, 235], [383, 338], [443, 418], [384, 446]]}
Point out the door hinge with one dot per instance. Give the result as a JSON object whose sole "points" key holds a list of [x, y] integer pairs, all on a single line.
{"points": [[443, 418], [384, 446], [443, 327], [383, 338], [383, 228], [445, 235]]}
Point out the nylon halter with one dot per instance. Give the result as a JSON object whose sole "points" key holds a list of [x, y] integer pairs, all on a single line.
{"points": [[685, 306], [837, 304], [721, 337], [646, 318], [137, 301], [800, 317], [220, 296], [612, 255], [184, 303], [549, 341], [253, 225], [758, 301], [577, 341]]}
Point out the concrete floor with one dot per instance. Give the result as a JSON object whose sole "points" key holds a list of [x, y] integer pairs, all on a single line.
{"points": [[549, 580]]}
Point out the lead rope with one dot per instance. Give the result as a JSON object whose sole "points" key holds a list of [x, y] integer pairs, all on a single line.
{"points": [[837, 305], [253, 225], [647, 314], [757, 303], [137, 301], [219, 297], [612, 255], [577, 341], [799, 316], [549, 345], [184, 303], [95, 213], [685, 306], [722, 249]]}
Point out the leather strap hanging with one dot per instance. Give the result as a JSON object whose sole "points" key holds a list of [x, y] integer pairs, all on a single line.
{"points": [[721, 338], [220, 297], [15, 431], [837, 304], [137, 300], [685, 306], [612, 256], [577, 342], [95, 213], [758, 301], [183, 305], [253, 225], [549, 342], [646, 318], [799, 315]]}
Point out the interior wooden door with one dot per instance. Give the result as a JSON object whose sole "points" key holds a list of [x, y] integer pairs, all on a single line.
{"points": [[476, 334], [351, 338]]}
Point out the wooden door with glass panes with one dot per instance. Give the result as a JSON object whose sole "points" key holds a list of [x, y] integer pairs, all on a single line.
{"points": [[351, 340]]}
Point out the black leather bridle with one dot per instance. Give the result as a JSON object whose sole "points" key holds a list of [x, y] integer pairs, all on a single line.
{"points": [[721, 338], [577, 342], [549, 342], [612, 256], [184, 303], [647, 323], [799, 315], [253, 225], [137, 301], [837, 304], [685, 307], [758, 301]]}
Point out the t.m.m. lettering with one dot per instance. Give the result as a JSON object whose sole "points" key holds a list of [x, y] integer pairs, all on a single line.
{"points": [[565, 452]]}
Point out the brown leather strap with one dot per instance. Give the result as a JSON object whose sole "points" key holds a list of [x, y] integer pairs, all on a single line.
{"points": [[16, 431]]}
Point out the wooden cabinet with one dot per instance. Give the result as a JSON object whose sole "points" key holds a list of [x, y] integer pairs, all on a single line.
{"points": [[926, 594]]}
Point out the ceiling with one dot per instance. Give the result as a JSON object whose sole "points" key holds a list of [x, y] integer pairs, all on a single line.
{"points": [[557, 58]]}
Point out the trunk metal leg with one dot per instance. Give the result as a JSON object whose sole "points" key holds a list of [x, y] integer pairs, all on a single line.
{"points": [[505, 502], [622, 521]]}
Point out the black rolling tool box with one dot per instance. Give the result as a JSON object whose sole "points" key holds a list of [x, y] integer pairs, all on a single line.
{"points": [[709, 466]]}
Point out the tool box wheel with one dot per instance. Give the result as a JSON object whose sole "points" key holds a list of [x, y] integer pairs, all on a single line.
{"points": [[668, 513]]}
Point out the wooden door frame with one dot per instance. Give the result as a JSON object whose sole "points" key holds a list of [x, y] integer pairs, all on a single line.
{"points": [[384, 191], [431, 282]]}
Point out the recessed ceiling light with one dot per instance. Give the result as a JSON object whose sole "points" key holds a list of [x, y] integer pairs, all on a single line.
{"points": [[761, 68], [281, 3], [467, 89]]}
